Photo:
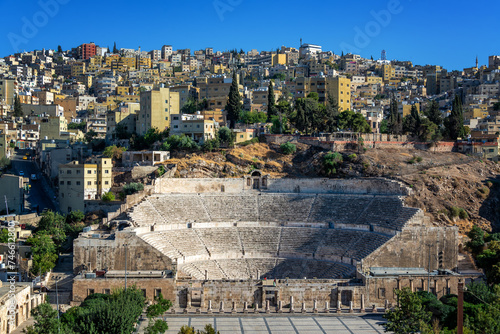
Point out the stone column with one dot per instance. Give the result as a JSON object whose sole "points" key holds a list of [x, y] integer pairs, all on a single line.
{"points": [[315, 306], [291, 305], [351, 307], [362, 304], [268, 310], [245, 307], [386, 304], [327, 307], [221, 310], [256, 310], [303, 310], [339, 306], [280, 306], [258, 274], [209, 310], [188, 299], [374, 309], [233, 310], [411, 285], [436, 287]]}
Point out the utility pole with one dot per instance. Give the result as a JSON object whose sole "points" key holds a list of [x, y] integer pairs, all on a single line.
{"points": [[57, 301], [460, 308], [6, 205], [125, 266]]}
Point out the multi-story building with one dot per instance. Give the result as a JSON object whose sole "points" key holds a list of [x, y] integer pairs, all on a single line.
{"points": [[79, 183], [216, 90], [124, 116], [156, 106], [338, 87], [494, 62], [7, 91], [194, 126], [166, 52], [86, 51], [54, 127]]}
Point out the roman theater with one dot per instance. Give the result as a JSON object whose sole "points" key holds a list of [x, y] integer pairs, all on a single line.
{"points": [[257, 244]]}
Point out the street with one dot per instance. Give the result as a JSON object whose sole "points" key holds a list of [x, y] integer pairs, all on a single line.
{"points": [[40, 193]]}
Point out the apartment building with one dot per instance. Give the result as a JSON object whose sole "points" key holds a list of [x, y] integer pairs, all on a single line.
{"points": [[194, 126], [156, 106], [216, 90], [54, 127], [83, 182], [338, 87], [7, 91], [125, 116], [86, 51]]}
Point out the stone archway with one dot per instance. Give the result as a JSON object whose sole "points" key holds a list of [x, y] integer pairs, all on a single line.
{"points": [[256, 180]]}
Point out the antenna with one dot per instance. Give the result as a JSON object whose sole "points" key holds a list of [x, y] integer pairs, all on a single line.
{"points": [[383, 56]]}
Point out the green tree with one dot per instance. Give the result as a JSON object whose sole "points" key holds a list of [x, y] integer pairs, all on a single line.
{"points": [[476, 240], [44, 253], [75, 216], [108, 197], [234, 105], [190, 107], [46, 321], [132, 188], [4, 236], [90, 135], [226, 136], [114, 152], [288, 148], [356, 122], [115, 49], [271, 102], [332, 112], [395, 123], [18, 108], [433, 113], [408, 315], [59, 49], [156, 327], [454, 123], [330, 162]]}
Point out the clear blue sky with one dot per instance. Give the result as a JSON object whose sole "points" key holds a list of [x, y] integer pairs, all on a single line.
{"points": [[442, 32]]}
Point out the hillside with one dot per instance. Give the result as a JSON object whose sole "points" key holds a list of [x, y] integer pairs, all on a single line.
{"points": [[451, 188]]}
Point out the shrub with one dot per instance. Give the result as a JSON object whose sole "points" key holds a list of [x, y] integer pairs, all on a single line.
{"points": [[453, 212], [288, 148], [330, 163], [352, 157], [160, 170], [463, 214], [108, 197], [418, 159], [132, 188], [249, 142]]}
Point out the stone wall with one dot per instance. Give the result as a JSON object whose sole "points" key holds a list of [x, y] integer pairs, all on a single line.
{"points": [[415, 246], [377, 186], [99, 253], [82, 287]]}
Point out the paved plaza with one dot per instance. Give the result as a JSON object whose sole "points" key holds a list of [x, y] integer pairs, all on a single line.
{"points": [[284, 324]]}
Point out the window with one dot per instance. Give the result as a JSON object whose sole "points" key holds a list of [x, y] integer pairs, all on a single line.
{"points": [[89, 172], [89, 183], [106, 171], [61, 183], [62, 195], [106, 291], [69, 183], [69, 171], [144, 292], [157, 292], [90, 292], [77, 183], [77, 171], [381, 293], [106, 182]]}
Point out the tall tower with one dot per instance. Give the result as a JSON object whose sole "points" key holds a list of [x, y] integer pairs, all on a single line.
{"points": [[301, 42], [477, 62], [383, 56]]}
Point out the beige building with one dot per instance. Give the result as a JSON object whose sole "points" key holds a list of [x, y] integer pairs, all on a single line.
{"points": [[156, 108], [11, 188], [83, 182], [194, 126], [54, 128], [125, 116], [216, 90], [7, 91], [338, 87]]}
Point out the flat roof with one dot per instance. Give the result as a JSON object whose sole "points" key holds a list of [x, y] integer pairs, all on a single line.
{"points": [[383, 271]]}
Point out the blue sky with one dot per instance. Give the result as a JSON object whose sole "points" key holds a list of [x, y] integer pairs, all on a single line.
{"points": [[442, 32]]}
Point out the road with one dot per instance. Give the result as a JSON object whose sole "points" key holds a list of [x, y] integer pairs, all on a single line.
{"points": [[40, 193]]}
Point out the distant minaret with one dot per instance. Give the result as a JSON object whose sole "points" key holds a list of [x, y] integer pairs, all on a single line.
{"points": [[477, 62], [301, 42]]}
